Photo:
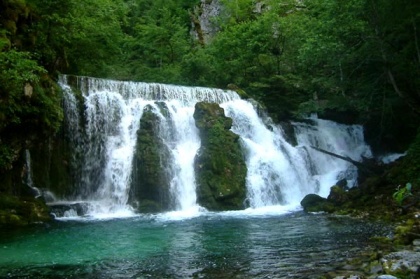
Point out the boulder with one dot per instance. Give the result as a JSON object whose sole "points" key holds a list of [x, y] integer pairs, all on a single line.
{"points": [[402, 263], [149, 191], [219, 165], [64, 209], [20, 211], [316, 203]]}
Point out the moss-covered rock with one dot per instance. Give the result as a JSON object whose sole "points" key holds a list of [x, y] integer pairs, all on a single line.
{"points": [[219, 165], [238, 90], [149, 190], [316, 203], [22, 211], [338, 196]]}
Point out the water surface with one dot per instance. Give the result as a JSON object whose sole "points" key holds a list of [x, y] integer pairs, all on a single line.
{"points": [[212, 245]]}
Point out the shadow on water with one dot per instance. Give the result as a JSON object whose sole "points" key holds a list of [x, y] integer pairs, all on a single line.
{"points": [[210, 246]]}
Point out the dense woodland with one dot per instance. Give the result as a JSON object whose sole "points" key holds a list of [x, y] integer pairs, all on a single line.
{"points": [[354, 61]]}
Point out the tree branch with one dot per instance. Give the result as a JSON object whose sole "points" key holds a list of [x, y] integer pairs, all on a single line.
{"points": [[360, 165]]}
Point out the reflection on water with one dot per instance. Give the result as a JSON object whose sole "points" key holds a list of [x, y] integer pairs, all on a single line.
{"points": [[210, 246]]}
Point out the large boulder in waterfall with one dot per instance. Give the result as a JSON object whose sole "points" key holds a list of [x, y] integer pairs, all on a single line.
{"points": [[149, 191], [220, 167], [316, 203]]}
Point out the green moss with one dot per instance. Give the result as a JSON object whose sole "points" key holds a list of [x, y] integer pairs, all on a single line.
{"points": [[338, 196], [219, 165], [407, 231], [16, 211], [238, 90], [315, 203], [149, 191]]}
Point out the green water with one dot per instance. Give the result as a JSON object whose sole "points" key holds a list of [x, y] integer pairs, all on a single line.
{"points": [[210, 246]]}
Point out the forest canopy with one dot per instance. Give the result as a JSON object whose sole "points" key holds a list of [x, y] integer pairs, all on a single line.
{"points": [[356, 61]]}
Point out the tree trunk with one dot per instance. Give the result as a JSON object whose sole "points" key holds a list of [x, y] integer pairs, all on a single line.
{"points": [[362, 167]]}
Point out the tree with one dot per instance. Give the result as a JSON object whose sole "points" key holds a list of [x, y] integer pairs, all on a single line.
{"points": [[158, 40]]}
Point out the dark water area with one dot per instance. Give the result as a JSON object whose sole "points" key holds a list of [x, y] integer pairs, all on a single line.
{"points": [[212, 245]]}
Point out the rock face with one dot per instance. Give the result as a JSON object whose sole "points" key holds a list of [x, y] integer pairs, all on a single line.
{"points": [[219, 165], [203, 20], [149, 191], [20, 211], [18, 205]]}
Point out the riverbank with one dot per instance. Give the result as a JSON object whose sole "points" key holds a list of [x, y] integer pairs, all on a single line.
{"points": [[389, 257], [387, 196]]}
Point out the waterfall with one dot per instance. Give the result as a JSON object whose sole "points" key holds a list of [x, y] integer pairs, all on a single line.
{"points": [[345, 140], [28, 175], [103, 132], [277, 173]]}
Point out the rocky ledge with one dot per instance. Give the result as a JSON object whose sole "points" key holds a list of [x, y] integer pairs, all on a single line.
{"points": [[377, 198], [22, 211]]}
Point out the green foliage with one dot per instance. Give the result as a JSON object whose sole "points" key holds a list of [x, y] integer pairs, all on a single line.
{"points": [[6, 157], [402, 193], [39, 105], [82, 37], [410, 167], [296, 57], [237, 11], [157, 40]]}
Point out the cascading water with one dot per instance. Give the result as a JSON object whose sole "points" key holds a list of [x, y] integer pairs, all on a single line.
{"points": [[28, 175], [112, 112], [278, 173], [340, 139]]}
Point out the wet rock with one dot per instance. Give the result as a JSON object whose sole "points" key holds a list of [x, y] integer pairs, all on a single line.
{"points": [[20, 211], [219, 165], [342, 184], [149, 191], [375, 268], [316, 203], [68, 209], [238, 90], [338, 195], [401, 263]]}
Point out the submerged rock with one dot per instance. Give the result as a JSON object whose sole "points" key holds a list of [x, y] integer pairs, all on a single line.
{"points": [[64, 209], [219, 165]]}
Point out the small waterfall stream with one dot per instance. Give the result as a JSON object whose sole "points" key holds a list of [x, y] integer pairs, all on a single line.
{"points": [[104, 137], [28, 175]]}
